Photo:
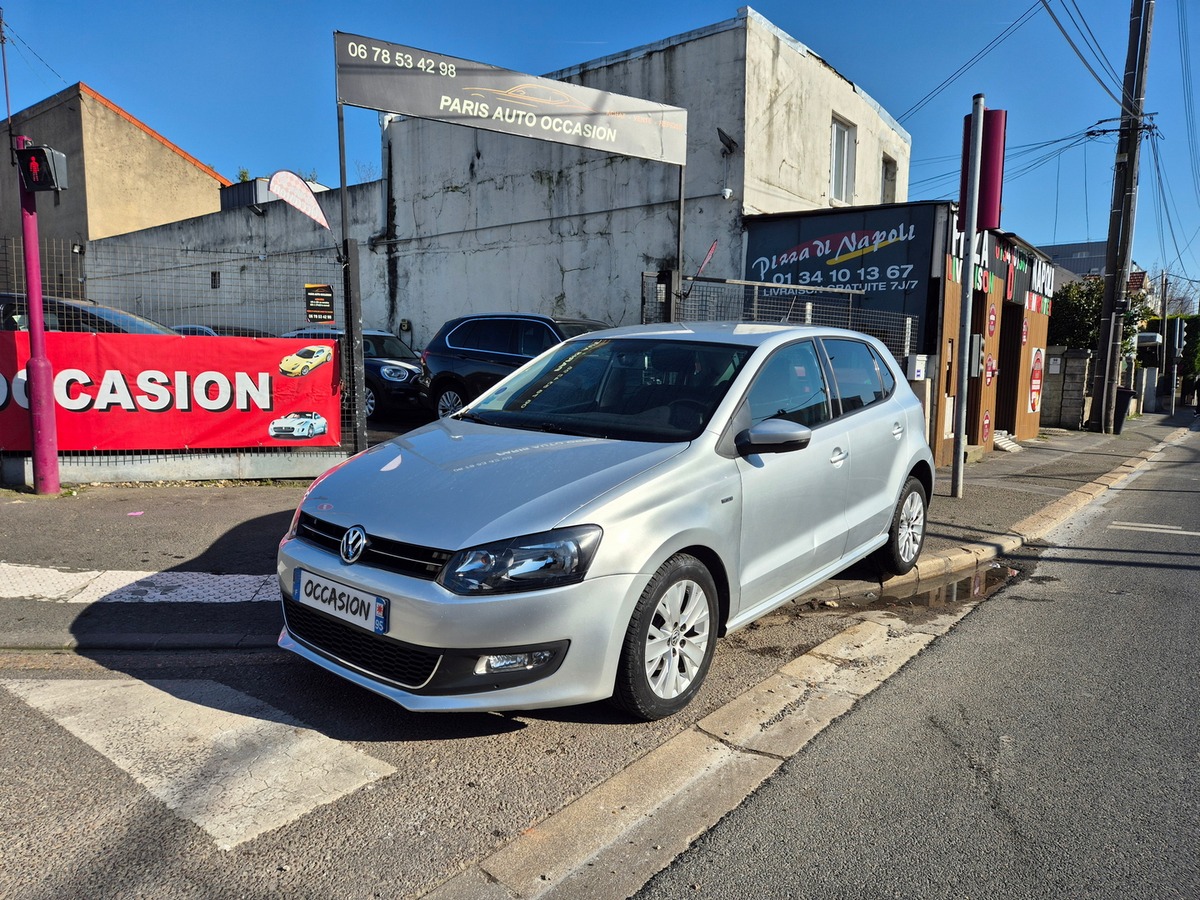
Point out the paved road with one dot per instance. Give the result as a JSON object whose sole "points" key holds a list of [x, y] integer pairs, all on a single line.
{"points": [[1047, 747]]}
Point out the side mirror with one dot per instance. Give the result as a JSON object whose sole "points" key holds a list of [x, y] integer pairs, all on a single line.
{"points": [[773, 436]]}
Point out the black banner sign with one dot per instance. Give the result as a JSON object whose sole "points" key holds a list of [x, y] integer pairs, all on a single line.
{"points": [[884, 252], [389, 77], [318, 302]]}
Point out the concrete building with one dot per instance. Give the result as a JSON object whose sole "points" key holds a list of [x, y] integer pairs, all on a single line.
{"points": [[123, 176], [479, 221]]}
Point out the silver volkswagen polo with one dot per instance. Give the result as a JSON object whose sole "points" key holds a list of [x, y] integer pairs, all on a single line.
{"points": [[589, 527]]}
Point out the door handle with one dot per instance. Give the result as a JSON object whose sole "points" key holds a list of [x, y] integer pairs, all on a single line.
{"points": [[839, 456], [897, 430]]}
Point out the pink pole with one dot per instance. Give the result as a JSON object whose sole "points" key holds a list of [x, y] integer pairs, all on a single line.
{"points": [[39, 374]]}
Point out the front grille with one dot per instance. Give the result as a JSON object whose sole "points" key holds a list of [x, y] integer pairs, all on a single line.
{"points": [[382, 657], [382, 553]]}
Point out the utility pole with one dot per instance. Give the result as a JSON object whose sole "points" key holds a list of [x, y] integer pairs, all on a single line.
{"points": [[1121, 218]]}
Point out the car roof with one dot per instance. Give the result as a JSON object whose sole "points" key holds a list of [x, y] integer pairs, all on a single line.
{"points": [[540, 317], [748, 333]]}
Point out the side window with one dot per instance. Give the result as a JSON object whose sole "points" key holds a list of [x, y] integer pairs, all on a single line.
{"points": [[534, 338], [489, 335], [856, 374], [791, 386]]}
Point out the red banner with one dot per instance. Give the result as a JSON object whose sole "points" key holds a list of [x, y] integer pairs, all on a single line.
{"points": [[166, 392]]}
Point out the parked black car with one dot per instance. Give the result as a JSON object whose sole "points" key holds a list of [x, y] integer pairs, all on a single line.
{"points": [[390, 368], [60, 314], [471, 353]]}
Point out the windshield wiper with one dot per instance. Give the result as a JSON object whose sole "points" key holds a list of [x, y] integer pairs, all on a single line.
{"points": [[473, 417]]}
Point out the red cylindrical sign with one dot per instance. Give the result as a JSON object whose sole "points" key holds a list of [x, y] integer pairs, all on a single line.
{"points": [[1035, 382]]}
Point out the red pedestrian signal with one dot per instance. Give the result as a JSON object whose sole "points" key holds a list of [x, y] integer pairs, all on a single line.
{"points": [[42, 169]]}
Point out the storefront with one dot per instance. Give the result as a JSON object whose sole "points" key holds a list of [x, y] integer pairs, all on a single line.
{"points": [[907, 258]]}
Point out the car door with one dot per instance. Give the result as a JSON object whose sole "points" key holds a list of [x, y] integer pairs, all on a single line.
{"points": [[875, 422], [487, 352], [793, 503]]}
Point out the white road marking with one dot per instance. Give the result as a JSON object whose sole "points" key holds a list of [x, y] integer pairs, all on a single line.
{"points": [[227, 762], [38, 583], [1155, 529]]}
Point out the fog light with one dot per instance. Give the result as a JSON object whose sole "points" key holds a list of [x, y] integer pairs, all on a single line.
{"points": [[513, 662]]}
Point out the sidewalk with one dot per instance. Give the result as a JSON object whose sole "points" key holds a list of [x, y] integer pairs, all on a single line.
{"points": [[188, 566]]}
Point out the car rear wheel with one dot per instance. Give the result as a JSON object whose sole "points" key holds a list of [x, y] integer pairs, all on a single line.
{"points": [[670, 641], [449, 400], [907, 533]]}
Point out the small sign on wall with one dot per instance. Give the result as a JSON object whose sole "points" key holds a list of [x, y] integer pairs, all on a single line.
{"points": [[318, 302]]}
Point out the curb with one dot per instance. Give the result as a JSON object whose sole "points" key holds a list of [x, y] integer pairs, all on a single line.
{"points": [[607, 843]]}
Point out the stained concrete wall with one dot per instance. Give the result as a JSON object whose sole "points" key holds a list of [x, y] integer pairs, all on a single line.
{"points": [[263, 262], [792, 97], [483, 221]]}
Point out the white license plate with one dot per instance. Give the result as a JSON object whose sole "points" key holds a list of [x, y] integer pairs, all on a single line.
{"points": [[347, 603]]}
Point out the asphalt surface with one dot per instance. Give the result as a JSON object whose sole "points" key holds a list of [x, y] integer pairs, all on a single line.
{"points": [[191, 566], [157, 541]]}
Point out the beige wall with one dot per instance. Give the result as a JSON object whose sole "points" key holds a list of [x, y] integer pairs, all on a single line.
{"points": [[122, 175], [55, 123], [135, 179]]}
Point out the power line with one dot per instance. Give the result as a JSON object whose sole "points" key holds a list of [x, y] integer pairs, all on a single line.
{"points": [[961, 70], [1121, 103], [9, 30], [1089, 38]]}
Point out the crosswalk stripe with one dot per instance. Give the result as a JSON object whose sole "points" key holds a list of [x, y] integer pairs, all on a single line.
{"points": [[39, 583], [233, 765]]}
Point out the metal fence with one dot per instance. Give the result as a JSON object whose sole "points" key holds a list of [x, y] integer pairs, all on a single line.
{"points": [[710, 299], [246, 294]]}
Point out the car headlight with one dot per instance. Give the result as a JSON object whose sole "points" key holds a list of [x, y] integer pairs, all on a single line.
{"points": [[527, 563], [395, 373]]}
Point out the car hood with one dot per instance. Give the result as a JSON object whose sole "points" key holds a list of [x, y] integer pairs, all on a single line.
{"points": [[453, 484]]}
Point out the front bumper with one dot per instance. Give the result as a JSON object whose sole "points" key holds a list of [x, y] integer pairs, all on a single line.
{"points": [[428, 658]]}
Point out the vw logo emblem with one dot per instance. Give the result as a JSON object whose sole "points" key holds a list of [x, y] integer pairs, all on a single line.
{"points": [[354, 542]]}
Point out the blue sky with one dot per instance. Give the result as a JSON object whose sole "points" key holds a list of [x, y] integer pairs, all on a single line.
{"points": [[250, 84]]}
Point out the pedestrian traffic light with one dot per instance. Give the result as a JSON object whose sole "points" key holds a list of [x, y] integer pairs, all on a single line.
{"points": [[42, 169]]}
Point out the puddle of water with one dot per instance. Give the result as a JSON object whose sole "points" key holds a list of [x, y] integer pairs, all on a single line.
{"points": [[937, 596]]}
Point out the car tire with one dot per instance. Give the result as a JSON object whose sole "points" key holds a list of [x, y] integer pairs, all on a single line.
{"points": [[449, 400], [670, 642], [370, 399], [304, 370], [906, 535]]}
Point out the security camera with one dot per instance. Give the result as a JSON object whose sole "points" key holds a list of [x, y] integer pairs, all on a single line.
{"points": [[727, 194]]}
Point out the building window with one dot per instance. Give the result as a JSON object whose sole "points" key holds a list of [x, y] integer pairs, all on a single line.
{"points": [[887, 180], [841, 169]]}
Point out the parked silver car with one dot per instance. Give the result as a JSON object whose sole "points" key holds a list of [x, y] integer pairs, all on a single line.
{"points": [[590, 526]]}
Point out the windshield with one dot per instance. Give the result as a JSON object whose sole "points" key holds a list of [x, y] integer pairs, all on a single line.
{"points": [[639, 389], [376, 346]]}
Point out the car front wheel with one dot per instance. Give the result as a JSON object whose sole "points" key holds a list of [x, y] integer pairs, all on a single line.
{"points": [[907, 533], [670, 642], [449, 400], [369, 401]]}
